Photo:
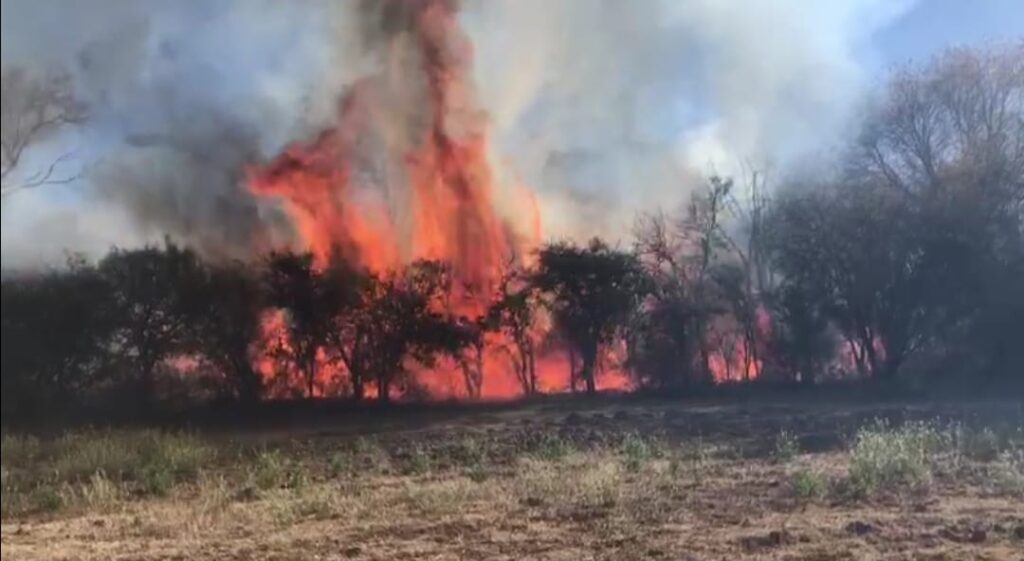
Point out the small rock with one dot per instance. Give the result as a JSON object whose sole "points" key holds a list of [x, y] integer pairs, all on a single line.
{"points": [[977, 536], [351, 551], [1018, 532]]}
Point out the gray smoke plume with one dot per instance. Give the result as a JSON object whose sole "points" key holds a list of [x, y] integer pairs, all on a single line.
{"points": [[604, 107]]}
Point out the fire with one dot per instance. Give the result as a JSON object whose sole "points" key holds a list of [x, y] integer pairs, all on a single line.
{"points": [[403, 174], [395, 180]]}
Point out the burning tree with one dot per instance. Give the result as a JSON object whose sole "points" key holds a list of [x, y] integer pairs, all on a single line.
{"points": [[592, 292], [399, 318], [311, 298], [513, 314], [226, 306]]}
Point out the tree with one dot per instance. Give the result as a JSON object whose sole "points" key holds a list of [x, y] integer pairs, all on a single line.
{"points": [[56, 327], [856, 252], [400, 317], [34, 108], [591, 291], [148, 300], [513, 316], [690, 260], [312, 300], [226, 306]]}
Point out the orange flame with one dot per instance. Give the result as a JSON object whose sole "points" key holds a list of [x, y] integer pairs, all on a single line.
{"points": [[437, 204]]}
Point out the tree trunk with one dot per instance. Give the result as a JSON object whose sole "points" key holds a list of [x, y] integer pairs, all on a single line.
{"points": [[587, 370], [147, 382], [872, 359], [248, 383], [531, 371], [573, 372], [384, 389], [358, 386], [310, 378]]}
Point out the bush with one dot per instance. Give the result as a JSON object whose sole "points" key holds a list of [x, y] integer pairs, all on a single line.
{"points": [[891, 458], [807, 485]]}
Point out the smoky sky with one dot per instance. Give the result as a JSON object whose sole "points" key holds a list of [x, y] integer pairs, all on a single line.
{"points": [[603, 107]]}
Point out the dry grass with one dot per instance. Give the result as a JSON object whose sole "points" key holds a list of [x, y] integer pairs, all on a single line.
{"points": [[639, 487]]}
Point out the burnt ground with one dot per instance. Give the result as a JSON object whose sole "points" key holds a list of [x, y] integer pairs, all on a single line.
{"points": [[561, 479]]}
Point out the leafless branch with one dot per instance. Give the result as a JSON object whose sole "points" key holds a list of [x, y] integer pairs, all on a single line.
{"points": [[34, 107]]}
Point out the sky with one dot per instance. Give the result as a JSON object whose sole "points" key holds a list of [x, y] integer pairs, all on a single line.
{"points": [[604, 108]]}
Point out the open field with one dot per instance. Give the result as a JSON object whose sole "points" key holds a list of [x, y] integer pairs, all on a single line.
{"points": [[562, 479]]}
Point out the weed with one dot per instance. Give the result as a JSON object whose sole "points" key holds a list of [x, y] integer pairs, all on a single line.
{"points": [[552, 448], [786, 447], [472, 451], [17, 450], [340, 464], [156, 479], [1007, 473], [636, 451], [98, 493], [47, 498], [978, 445], [272, 470], [418, 462]]}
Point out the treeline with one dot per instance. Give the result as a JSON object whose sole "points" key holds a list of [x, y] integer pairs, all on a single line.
{"points": [[903, 265]]}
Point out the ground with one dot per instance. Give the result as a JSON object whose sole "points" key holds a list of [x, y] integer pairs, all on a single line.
{"points": [[558, 479]]}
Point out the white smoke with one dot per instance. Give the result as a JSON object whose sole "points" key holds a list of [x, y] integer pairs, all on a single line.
{"points": [[632, 103], [603, 106]]}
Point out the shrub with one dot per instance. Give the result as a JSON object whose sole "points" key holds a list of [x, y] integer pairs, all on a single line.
{"points": [[890, 458], [807, 485]]}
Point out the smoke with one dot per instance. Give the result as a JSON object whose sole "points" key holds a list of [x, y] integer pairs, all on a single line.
{"points": [[603, 107], [630, 104]]}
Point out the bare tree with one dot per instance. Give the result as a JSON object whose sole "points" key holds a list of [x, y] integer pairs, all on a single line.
{"points": [[34, 108], [953, 125]]}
